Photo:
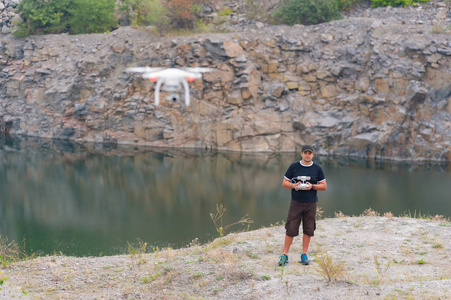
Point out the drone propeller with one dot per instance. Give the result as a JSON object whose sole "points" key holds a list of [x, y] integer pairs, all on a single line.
{"points": [[143, 69], [149, 75], [198, 69]]}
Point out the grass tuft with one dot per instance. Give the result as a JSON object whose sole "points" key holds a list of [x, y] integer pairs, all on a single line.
{"points": [[218, 222], [381, 268], [138, 255], [329, 269], [369, 212], [12, 252], [339, 214]]}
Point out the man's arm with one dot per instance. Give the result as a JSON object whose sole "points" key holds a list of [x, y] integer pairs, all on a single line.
{"points": [[288, 184], [321, 186]]}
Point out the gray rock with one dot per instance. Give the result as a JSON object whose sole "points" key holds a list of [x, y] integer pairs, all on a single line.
{"points": [[357, 86]]}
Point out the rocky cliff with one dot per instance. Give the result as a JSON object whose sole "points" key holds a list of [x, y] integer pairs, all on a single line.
{"points": [[377, 84]]}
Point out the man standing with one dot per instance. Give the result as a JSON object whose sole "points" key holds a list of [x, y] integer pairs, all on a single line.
{"points": [[304, 178]]}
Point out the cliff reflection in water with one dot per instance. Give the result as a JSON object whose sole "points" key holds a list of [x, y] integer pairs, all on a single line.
{"points": [[88, 200], [63, 196]]}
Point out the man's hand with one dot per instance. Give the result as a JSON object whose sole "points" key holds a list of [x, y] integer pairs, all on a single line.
{"points": [[296, 186]]}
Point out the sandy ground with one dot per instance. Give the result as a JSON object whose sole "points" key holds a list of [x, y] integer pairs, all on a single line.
{"points": [[380, 258]]}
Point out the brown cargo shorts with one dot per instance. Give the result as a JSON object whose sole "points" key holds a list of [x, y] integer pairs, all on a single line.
{"points": [[304, 212]]}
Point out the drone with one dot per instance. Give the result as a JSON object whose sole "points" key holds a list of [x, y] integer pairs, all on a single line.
{"points": [[171, 80]]}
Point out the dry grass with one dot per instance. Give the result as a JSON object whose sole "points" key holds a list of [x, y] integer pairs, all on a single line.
{"points": [[369, 212], [217, 219], [138, 255], [388, 215], [12, 252], [329, 269], [382, 268], [339, 214], [319, 213]]}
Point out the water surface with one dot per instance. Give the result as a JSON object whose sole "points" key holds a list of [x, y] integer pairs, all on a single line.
{"points": [[89, 200]]}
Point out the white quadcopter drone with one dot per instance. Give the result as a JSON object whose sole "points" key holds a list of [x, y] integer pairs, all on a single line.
{"points": [[170, 80]]}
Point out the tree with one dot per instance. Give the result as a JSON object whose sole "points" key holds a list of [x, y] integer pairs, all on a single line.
{"points": [[43, 16]]}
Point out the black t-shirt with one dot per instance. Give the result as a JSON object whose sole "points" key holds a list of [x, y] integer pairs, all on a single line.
{"points": [[316, 174]]}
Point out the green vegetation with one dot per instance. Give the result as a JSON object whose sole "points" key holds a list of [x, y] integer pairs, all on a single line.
{"points": [[41, 17], [225, 12], [98, 16], [145, 13], [345, 5], [72, 16], [403, 3], [2, 280], [266, 277], [308, 12], [92, 16], [251, 8], [145, 279], [138, 255]]}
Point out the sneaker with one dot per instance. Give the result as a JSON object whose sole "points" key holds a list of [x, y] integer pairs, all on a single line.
{"points": [[304, 259], [283, 260]]}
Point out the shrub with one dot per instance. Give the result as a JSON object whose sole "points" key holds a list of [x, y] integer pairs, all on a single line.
{"points": [[57, 16], [225, 12], [42, 16], [92, 16], [403, 3], [146, 12], [164, 14], [181, 14], [307, 12], [184, 13], [345, 5], [251, 7]]}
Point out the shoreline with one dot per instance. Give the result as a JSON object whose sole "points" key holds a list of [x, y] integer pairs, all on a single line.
{"points": [[380, 256], [135, 148]]}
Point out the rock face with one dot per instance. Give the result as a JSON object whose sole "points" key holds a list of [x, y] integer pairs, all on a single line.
{"points": [[8, 15], [361, 86]]}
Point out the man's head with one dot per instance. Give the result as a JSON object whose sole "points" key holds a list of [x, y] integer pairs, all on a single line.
{"points": [[307, 153]]}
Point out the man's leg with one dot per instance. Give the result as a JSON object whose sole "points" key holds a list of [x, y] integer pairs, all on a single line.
{"points": [[305, 243], [287, 244], [308, 226]]}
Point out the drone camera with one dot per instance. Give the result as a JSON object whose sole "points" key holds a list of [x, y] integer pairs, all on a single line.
{"points": [[173, 97]]}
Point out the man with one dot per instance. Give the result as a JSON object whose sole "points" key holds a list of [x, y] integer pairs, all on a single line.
{"points": [[303, 201]]}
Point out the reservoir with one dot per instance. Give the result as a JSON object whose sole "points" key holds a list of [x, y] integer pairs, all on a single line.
{"points": [[88, 200]]}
